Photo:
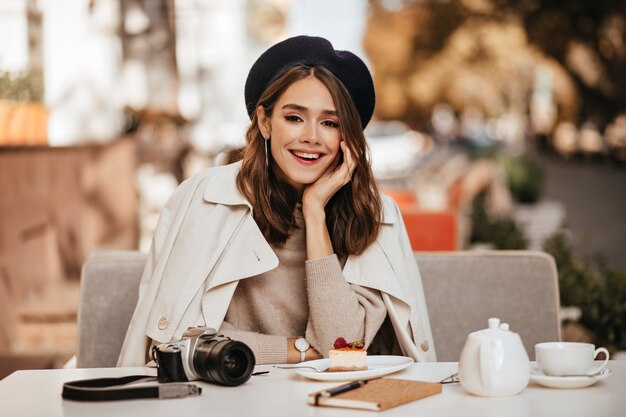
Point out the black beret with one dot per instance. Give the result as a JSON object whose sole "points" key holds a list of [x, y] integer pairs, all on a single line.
{"points": [[312, 51]]}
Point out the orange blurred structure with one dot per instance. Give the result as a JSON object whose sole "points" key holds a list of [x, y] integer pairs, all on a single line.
{"points": [[23, 124], [428, 230], [431, 230], [403, 198]]}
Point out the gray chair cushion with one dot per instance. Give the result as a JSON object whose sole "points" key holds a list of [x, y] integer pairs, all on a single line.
{"points": [[108, 295], [464, 289]]}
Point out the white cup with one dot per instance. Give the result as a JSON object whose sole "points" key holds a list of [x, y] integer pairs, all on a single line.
{"points": [[568, 358]]}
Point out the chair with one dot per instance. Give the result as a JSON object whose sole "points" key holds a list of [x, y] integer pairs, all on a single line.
{"points": [[108, 295], [428, 230], [432, 231], [403, 198], [464, 289]]}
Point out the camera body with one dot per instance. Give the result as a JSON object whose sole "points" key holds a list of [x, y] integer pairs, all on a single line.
{"points": [[203, 354]]}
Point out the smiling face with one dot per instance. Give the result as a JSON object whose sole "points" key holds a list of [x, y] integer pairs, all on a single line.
{"points": [[304, 132]]}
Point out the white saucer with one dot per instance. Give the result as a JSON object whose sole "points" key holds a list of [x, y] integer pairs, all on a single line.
{"points": [[566, 381], [377, 365]]}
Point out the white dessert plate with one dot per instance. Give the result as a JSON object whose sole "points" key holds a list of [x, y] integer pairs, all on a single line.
{"points": [[377, 365], [566, 381]]}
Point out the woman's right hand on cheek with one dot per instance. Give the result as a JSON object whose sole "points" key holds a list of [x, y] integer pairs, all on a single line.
{"points": [[317, 194]]}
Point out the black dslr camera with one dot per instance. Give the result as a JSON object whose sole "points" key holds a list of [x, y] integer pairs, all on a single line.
{"points": [[203, 354]]}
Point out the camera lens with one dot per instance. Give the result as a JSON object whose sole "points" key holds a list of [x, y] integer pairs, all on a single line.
{"points": [[224, 362], [235, 364]]}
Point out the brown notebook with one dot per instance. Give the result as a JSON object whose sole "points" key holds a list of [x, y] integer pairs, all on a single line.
{"points": [[378, 394]]}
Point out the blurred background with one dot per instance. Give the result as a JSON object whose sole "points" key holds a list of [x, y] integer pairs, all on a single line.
{"points": [[498, 125]]}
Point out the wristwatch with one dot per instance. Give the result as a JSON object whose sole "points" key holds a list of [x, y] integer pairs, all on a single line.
{"points": [[302, 345]]}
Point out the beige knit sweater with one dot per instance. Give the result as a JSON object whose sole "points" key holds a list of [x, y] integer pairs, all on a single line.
{"points": [[301, 298]]}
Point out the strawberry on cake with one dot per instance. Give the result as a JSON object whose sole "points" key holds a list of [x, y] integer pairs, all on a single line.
{"points": [[347, 356]]}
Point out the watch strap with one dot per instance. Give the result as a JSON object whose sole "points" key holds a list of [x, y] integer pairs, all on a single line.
{"points": [[302, 345]]}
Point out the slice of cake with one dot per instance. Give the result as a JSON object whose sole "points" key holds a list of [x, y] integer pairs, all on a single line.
{"points": [[347, 356]]}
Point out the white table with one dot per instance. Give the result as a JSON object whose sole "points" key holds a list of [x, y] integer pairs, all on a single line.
{"points": [[284, 393]]}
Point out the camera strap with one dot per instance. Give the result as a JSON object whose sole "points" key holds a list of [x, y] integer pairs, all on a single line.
{"points": [[112, 389]]}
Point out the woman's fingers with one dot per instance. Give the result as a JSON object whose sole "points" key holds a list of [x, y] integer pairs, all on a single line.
{"points": [[348, 162], [344, 172], [336, 176]]}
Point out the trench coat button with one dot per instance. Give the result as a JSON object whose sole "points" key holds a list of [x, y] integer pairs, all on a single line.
{"points": [[425, 345], [163, 323]]}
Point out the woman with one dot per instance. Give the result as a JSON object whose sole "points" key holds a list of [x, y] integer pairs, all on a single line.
{"points": [[292, 247]]}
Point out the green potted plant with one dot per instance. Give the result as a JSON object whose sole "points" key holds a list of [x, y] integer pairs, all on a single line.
{"points": [[501, 232], [525, 177], [597, 291]]}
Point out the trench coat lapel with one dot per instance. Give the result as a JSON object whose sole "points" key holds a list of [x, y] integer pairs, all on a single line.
{"points": [[248, 253], [205, 250], [246, 256], [374, 267]]}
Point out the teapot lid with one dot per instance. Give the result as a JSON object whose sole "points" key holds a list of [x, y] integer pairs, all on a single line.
{"points": [[494, 324], [494, 328]]}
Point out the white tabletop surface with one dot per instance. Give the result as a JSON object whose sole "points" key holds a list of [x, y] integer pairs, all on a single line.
{"points": [[284, 393]]}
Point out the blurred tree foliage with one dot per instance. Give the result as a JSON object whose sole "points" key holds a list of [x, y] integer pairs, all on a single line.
{"points": [[599, 292], [469, 52], [588, 37]]}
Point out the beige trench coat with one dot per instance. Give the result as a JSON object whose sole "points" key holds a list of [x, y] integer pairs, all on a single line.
{"points": [[207, 240]]}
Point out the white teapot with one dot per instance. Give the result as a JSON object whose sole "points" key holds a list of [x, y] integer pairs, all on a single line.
{"points": [[494, 362]]}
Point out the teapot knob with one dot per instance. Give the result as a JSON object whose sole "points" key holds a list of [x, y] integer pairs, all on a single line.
{"points": [[504, 326], [494, 323]]}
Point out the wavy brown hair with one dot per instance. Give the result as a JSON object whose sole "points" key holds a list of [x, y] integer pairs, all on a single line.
{"points": [[353, 214]]}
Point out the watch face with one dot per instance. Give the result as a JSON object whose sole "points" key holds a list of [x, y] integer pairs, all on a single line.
{"points": [[302, 344]]}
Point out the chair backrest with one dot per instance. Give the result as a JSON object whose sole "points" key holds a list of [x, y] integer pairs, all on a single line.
{"points": [[108, 295], [464, 289]]}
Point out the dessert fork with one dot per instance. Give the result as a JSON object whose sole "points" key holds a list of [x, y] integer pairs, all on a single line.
{"points": [[296, 366]]}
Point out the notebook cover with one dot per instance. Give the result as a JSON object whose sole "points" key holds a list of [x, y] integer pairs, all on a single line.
{"points": [[380, 394]]}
